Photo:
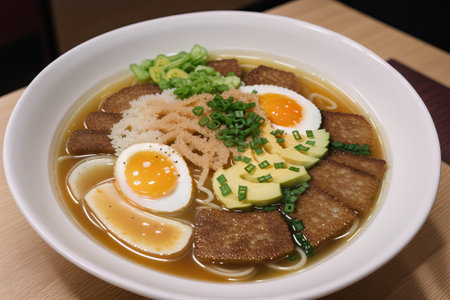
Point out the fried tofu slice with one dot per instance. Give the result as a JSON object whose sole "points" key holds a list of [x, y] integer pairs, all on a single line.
{"points": [[323, 216], [355, 188], [371, 165], [120, 101], [88, 141], [99, 120], [347, 128], [240, 237], [225, 66], [267, 75]]}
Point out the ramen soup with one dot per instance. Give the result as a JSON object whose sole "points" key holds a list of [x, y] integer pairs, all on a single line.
{"points": [[219, 167]]}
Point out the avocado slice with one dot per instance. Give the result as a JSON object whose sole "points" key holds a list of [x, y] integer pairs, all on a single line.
{"points": [[258, 194], [286, 177]]}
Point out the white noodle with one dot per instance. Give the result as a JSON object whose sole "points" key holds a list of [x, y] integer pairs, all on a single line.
{"points": [[350, 231], [295, 266], [332, 105], [231, 273]]}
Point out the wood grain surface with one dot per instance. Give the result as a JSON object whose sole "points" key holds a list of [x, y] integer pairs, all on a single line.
{"points": [[30, 269]]}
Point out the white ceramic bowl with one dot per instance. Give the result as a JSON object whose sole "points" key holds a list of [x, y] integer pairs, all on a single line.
{"points": [[400, 113]]}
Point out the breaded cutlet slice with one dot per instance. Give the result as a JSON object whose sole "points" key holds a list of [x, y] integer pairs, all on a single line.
{"points": [[267, 75], [99, 120], [371, 165], [323, 216], [355, 188], [347, 128], [225, 66], [88, 141], [120, 101], [240, 237]]}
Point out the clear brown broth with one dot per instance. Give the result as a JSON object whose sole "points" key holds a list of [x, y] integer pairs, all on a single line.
{"points": [[185, 266]]}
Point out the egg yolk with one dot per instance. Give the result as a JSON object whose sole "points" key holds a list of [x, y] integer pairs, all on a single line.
{"points": [[280, 109], [151, 174]]}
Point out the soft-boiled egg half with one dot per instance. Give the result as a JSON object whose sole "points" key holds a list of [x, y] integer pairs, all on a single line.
{"points": [[286, 109], [135, 227], [154, 177]]}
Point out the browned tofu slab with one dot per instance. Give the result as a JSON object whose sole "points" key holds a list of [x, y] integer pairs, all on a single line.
{"points": [[267, 75], [371, 165], [355, 188], [120, 101], [88, 141], [240, 237], [225, 66], [347, 128], [99, 120], [323, 216]]}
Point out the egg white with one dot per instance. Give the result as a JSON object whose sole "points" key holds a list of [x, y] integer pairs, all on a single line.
{"points": [[176, 200], [311, 117], [104, 200]]}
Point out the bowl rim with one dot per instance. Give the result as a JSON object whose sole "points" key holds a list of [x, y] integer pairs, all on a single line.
{"points": [[339, 283]]}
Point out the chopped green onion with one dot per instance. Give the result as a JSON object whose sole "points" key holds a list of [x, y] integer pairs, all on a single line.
{"points": [[221, 179], [249, 168], [269, 207], [198, 110], [203, 121], [239, 113], [279, 165], [214, 124], [292, 199], [353, 148], [295, 169], [292, 257], [246, 159], [297, 135], [300, 148], [309, 134], [237, 158], [258, 151], [312, 143], [289, 207], [280, 140], [254, 92], [264, 178], [225, 189], [264, 164], [242, 192]]}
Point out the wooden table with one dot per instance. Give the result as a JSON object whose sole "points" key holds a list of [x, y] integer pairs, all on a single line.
{"points": [[29, 268]]}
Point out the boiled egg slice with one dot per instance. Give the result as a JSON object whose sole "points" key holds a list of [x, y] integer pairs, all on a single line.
{"points": [[286, 109], [154, 177], [87, 173], [141, 230]]}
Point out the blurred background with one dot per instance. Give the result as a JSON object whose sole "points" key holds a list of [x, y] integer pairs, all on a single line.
{"points": [[35, 32]]}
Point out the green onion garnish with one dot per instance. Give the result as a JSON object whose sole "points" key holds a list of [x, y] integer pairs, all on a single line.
{"points": [[246, 159], [289, 207], [269, 207], [279, 165], [264, 178], [203, 121], [297, 135], [221, 179], [312, 143], [259, 151], [309, 134], [198, 110], [295, 169], [264, 164], [214, 124], [353, 148], [280, 140], [249, 168], [300, 148], [237, 158], [225, 189], [254, 92]]}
